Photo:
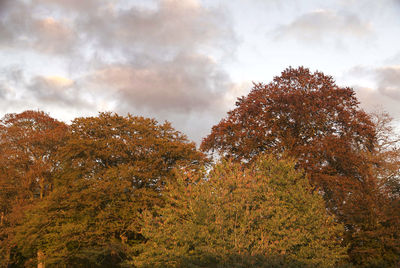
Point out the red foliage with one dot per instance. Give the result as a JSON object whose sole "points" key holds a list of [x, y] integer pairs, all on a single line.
{"points": [[302, 115]]}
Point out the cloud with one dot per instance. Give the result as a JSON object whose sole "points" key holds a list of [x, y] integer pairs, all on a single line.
{"points": [[9, 77], [373, 100], [20, 28], [71, 5], [116, 28], [52, 36], [388, 79], [3, 91], [383, 92], [321, 25], [64, 98], [54, 90], [189, 82], [170, 29], [161, 58], [13, 21]]}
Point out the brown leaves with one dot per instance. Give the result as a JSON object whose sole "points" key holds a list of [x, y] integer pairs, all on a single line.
{"points": [[349, 157], [28, 142], [302, 115], [131, 148], [107, 172]]}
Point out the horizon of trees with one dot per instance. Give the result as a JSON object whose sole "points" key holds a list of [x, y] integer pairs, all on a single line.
{"points": [[297, 175]]}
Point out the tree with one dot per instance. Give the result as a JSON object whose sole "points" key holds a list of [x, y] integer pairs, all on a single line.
{"points": [[386, 155], [263, 216], [28, 142], [374, 235], [308, 117], [305, 116], [111, 169]]}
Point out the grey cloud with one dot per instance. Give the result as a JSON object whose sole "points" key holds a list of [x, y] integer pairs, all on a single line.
{"points": [[163, 65], [11, 74], [385, 94], [52, 36], [163, 58], [373, 100], [394, 59], [164, 32], [62, 97], [14, 18], [9, 79], [188, 83], [49, 89], [71, 5], [388, 79], [12, 91], [20, 28], [321, 24], [103, 26], [3, 91], [54, 90]]}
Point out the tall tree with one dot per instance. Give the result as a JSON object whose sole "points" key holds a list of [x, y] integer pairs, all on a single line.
{"points": [[111, 168], [386, 155], [263, 216], [374, 213], [307, 116], [303, 115], [28, 141]]}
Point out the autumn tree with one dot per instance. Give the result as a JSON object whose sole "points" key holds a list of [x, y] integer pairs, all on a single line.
{"points": [[386, 155], [374, 234], [308, 117], [262, 216], [111, 168], [28, 141]]}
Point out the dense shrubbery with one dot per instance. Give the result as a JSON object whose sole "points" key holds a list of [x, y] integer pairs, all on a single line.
{"points": [[305, 178]]}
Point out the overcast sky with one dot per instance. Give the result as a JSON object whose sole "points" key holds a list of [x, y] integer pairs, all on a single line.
{"points": [[186, 61]]}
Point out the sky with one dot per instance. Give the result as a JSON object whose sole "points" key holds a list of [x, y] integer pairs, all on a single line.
{"points": [[187, 61]]}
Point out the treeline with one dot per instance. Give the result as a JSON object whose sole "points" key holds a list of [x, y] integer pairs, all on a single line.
{"points": [[297, 175]]}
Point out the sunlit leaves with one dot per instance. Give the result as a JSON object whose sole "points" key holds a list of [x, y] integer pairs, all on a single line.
{"points": [[110, 169], [260, 216]]}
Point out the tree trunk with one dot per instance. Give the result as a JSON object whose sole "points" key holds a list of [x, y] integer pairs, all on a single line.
{"points": [[41, 188], [40, 258]]}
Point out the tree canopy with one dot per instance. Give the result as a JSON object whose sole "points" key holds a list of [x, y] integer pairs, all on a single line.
{"points": [[28, 142], [302, 115], [263, 216], [308, 117], [110, 169], [304, 177]]}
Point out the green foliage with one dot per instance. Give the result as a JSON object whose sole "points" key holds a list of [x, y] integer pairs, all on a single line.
{"points": [[264, 216]]}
